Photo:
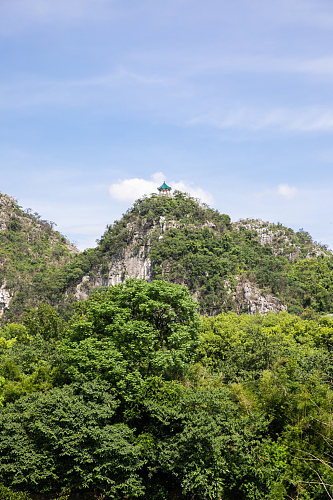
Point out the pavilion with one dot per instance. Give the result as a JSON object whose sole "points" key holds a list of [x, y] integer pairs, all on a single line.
{"points": [[164, 189]]}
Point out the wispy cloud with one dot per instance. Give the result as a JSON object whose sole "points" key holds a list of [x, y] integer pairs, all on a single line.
{"points": [[307, 12], [33, 92], [17, 15], [296, 12], [318, 12], [318, 66], [170, 101], [128, 190], [312, 119], [208, 61]]}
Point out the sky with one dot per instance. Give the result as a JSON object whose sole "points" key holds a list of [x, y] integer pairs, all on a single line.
{"points": [[231, 101]]}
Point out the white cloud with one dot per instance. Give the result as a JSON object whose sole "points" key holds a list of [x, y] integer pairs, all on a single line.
{"points": [[282, 190], [194, 191], [128, 190], [131, 189], [287, 191]]}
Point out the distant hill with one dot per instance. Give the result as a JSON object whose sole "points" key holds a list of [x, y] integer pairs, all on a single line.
{"points": [[248, 266]]}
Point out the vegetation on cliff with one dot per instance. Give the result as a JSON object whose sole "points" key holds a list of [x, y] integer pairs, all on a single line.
{"points": [[29, 249], [189, 243], [184, 242]]}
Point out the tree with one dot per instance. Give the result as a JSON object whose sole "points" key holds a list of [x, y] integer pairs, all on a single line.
{"points": [[45, 321], [136, 327]]}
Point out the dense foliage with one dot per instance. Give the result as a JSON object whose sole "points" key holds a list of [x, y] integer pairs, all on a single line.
{"points": [[136, 396]]}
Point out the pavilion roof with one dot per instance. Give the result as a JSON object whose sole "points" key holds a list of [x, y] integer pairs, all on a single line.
{"points": [[164, 186]]}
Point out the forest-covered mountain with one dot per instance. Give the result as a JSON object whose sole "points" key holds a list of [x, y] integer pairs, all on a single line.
{"points": [[125, 392], [248, 266]]}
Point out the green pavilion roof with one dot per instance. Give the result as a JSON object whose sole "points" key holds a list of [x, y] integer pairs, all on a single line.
{"points": [[164, 186]]}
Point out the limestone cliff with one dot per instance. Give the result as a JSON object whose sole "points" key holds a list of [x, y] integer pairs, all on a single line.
{"points": [[249, 298], [5, 298], [134, 262]]}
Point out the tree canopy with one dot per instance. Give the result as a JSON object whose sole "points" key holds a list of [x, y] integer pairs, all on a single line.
{"points": [[136, 396]]}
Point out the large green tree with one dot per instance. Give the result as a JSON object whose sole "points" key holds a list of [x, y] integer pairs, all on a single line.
{"points": [[133, 330]]}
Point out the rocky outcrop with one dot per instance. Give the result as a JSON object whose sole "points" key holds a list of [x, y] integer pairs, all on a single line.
{"points": [[250, 299], [130, 266], [282, 240], [5, 298], [126, 266], [133, 262], [8, 207]]}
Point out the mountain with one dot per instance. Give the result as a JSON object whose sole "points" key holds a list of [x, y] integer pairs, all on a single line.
{"points": [[29, 249], [248, 266]]}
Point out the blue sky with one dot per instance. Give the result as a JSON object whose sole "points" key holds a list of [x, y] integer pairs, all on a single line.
{"points": [[232, 101]]}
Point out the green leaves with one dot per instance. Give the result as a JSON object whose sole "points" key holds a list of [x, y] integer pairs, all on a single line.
{"points": [[243, 346], [136, 397], [147, 327], [44, 321], [67, 440]]}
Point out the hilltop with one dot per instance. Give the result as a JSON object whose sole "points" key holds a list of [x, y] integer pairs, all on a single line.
{"points": [[248, 266]]}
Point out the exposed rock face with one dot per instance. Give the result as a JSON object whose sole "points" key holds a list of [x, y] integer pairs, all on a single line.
{"points": [[7, 208], [250, 299], [130, 266], [5, 298], [83, 288], [133, 263], [257, 302]]}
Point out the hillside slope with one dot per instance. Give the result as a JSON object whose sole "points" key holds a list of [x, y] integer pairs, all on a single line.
{"points": [[249, 266], [29, 249]]}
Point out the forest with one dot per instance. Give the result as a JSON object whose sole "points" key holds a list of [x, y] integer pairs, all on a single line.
{"points": [[135, 395]]}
